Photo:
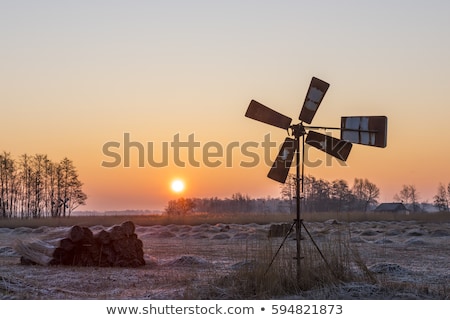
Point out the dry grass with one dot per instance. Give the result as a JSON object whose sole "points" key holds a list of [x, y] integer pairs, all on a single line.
{"points": [[238, 218], [145, 220], [259, 278]]}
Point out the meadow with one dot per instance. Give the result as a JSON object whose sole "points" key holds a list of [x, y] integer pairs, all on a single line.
{"points": [[237, 218], [229, 256]]}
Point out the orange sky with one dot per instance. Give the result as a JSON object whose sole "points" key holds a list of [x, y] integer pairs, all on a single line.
{"points": [[76, 76]]}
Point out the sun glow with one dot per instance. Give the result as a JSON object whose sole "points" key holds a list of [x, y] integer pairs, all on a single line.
{"points": [[177, 186]]}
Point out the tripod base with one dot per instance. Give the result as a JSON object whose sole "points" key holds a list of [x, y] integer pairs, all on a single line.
{"points": [[299, 226]]}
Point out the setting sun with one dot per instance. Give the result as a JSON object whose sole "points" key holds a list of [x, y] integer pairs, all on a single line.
{"points": [[177, 185]]}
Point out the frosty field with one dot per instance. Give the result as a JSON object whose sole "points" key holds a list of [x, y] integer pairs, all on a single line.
{"points": [[408, 259]]}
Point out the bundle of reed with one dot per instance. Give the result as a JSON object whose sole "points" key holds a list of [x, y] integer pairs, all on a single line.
{"points": [[118, 246]]}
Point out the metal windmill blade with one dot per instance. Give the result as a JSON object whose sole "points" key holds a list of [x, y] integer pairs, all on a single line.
{"points": [[283, 162], [339, 149], [260, 112], [370, 131], [314, 97]]}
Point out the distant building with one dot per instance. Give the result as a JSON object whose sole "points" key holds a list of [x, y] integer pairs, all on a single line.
{"points": [[396, 207]]}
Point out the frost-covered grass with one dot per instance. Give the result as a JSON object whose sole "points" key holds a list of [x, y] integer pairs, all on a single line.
{"points": [[368, 260], [238, 218], [270, 273]]}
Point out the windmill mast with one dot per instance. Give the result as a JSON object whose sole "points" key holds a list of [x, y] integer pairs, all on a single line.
{"points": [[298, 221]]}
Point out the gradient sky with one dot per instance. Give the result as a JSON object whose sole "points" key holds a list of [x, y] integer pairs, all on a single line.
{"points": [[75, 75]]}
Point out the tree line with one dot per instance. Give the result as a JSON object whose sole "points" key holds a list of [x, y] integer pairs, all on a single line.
{"points": [[238, 203], [34, 186], [319, 195], [322, 195]]}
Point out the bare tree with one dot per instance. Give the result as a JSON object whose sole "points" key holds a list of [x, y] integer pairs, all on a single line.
{"points": [[37, 174], [288, 191], [8, 185], [409, 195], [441, 199], [48, 182], [70, 195], [366, 193], [316, 194], [26, 182], [448, 191], [341, 196]]}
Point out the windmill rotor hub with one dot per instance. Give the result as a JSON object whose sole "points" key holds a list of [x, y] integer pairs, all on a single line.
{"points": [[298, 130]]}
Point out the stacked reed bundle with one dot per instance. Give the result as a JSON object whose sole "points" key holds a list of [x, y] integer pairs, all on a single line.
{"points": [[118, 246]]}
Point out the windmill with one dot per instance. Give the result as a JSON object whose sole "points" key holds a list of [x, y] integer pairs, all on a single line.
{"points": [[365, 130]]}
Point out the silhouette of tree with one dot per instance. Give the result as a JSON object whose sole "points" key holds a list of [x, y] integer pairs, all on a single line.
{"points": [[35, 187], [441, 199], [366, 193], [409, 195], [341, 196], [288, 191], [8, 185], [180, 206]]}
